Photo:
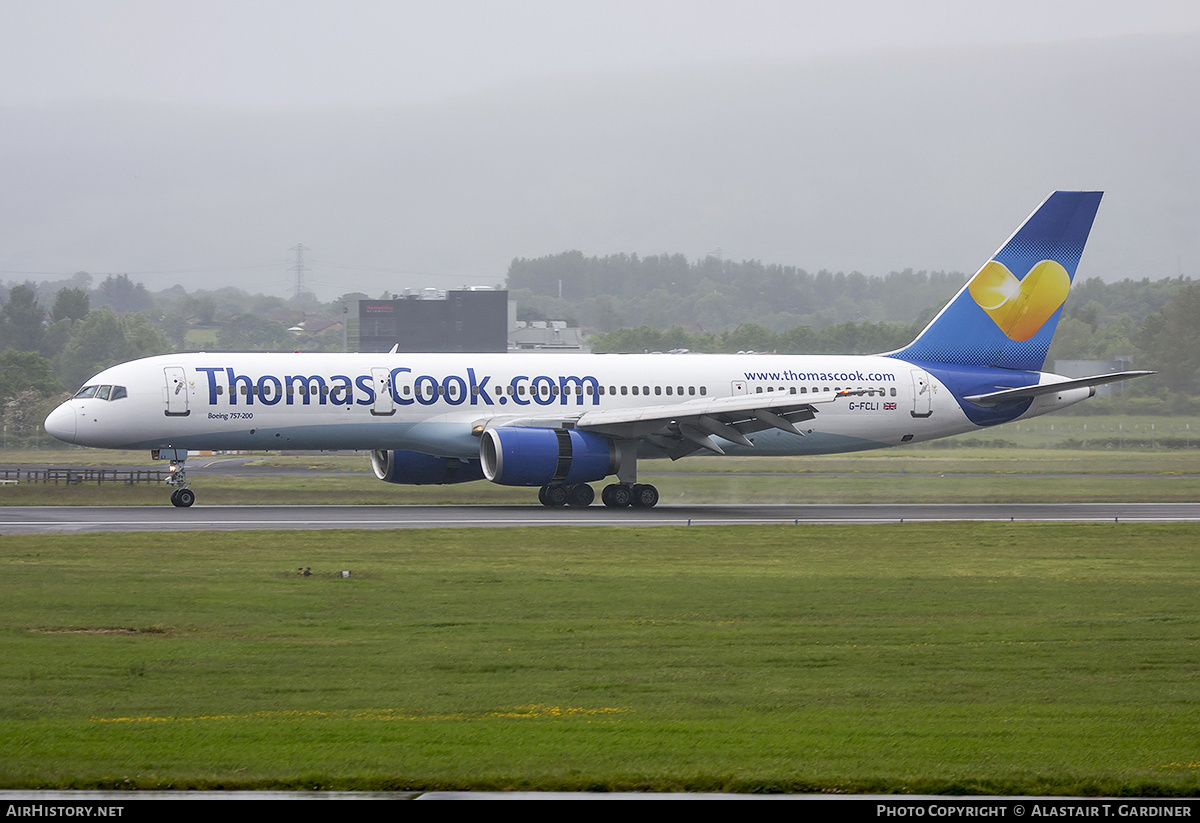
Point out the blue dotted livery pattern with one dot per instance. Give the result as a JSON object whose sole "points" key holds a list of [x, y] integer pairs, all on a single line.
{"points": [[971, 334]]}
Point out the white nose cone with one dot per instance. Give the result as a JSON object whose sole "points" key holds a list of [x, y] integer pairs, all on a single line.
{"points": [[61, 423]]}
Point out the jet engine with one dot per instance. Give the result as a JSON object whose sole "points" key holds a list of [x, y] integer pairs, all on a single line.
{"points": [[416, 469], [516, 456]]}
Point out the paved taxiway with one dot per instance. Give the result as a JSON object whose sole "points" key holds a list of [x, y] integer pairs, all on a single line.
{"points": [[85, 519]]}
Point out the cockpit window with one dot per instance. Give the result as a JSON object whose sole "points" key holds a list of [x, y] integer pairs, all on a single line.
{"points": [[102, 392]]}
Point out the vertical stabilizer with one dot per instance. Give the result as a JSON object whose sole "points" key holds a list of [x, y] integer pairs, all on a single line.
{"points": [[1006, 315]]}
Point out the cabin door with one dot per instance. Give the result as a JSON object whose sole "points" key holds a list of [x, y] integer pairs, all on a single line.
{"points": [[384, 404], [175, 392], [922, 394]]}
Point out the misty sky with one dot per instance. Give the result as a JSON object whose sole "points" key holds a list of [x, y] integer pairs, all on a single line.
{"points": [[304, 54], [196, 142]]}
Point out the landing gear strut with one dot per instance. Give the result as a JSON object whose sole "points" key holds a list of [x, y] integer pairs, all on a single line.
{"points": [[622, 494], [182, 497]]}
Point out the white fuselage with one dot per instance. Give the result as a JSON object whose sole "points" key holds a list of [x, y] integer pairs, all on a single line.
{"points": [[439, 403]]}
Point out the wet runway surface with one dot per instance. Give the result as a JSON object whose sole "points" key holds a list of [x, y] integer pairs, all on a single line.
{"points": [[166, 518]]}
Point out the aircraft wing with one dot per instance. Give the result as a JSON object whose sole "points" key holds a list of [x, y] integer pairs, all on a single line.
{"points": [[1008, 395], [683, 428]]}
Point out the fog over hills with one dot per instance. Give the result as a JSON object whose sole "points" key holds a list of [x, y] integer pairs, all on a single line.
{"points": [[870, 163]]}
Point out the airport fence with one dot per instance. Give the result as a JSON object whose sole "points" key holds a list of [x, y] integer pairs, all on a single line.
{"points": [[74, 476]]}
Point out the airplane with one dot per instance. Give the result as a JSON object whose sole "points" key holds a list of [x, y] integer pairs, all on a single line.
{"points": [[560, 422]]}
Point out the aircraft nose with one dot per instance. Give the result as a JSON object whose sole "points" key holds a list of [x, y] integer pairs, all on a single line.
{"points": [[61, 423]]}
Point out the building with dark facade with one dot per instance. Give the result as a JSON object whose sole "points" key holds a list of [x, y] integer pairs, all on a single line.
{"points": [[463, 321]]}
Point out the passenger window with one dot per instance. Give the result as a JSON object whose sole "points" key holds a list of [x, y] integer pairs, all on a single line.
{"points": [[704, 390], [691, 391], [635, 390], [658, 390], [624, 390]]}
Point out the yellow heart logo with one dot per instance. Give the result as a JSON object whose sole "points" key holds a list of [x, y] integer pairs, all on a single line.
{"points": [[1020, 307]]}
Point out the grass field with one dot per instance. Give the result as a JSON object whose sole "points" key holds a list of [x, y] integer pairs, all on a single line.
{"points": [[944, 658], [896, 475]]}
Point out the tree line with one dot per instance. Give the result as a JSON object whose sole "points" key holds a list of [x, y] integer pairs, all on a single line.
{"points": [[56, 334], [667, 303]]}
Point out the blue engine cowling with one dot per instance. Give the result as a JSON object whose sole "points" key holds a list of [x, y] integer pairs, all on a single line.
{"points": [[516, 456], [416, 469]]}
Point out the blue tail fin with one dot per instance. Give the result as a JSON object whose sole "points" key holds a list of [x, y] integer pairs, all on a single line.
{"points": [[1006, 314]]}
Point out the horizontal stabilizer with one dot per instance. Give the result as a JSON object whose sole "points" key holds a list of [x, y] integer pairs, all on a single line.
{"points": [[1010, 395]]}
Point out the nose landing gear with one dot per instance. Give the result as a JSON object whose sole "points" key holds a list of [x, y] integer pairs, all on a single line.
{"points": [[182, 496]]}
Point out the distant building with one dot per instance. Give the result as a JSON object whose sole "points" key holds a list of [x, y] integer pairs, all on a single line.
{"points": [[546, 335], [432, 321]]}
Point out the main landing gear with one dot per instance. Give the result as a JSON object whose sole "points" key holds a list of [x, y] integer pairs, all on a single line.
{"points": [[615, 495]]}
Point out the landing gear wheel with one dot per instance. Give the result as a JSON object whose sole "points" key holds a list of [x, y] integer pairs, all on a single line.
{"points": [[644, 496], [182, 498], [616, 496], [553, 495], [580, 496]]}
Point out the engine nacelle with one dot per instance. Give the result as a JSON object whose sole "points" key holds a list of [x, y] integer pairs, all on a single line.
{"points": [[416, 469], [517, 456]]}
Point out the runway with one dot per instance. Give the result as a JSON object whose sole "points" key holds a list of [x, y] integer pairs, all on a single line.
{"points": [[165, 518]]}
